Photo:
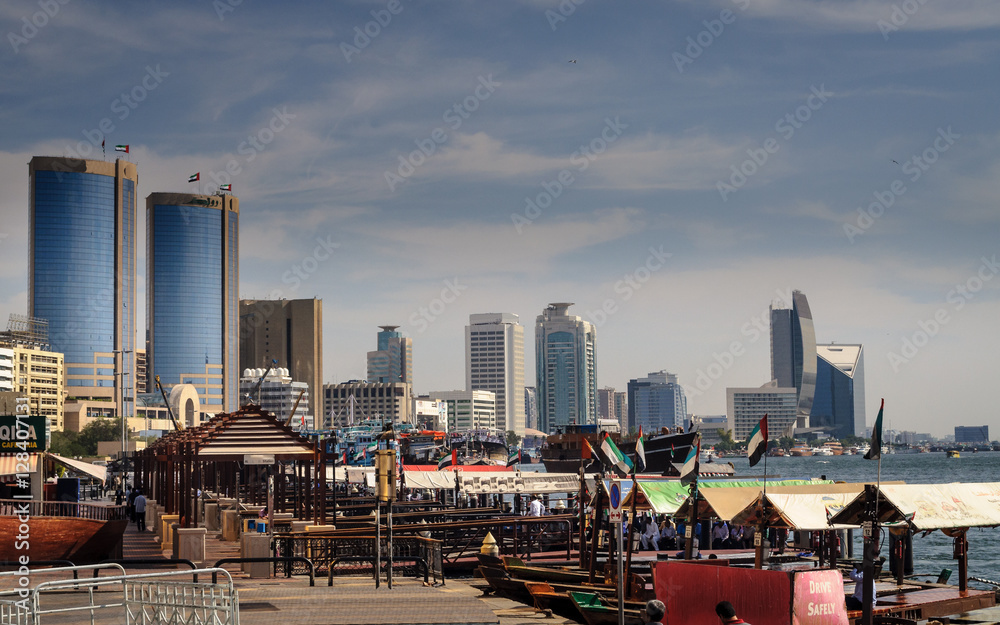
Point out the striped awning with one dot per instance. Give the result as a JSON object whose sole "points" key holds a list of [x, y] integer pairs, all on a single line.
{"points": [[10, 466]]}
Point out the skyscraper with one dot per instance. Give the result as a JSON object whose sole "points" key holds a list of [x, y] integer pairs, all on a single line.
{"points": [[746, 406], [192, 309], [565, 368], [81, 270], [606, 404], [656, 401], [840, 390], [793, 352], [494, 361], [393, 360], [289, 331]]}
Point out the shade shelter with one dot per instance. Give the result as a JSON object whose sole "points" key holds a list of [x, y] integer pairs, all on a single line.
{"points": [[721, 499], [952, 508], [236, 454]]}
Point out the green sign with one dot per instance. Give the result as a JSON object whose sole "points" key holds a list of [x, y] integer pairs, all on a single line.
{"points": [[22, 433]]}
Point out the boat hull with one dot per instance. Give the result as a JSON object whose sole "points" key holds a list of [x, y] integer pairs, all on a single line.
{"points": [[81, 541]]}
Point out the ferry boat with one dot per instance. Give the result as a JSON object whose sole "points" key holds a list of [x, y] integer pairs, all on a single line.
{"points": [[562, 452], [835, 447], [800, 450]]}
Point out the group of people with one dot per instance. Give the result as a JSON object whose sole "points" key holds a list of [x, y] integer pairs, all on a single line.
{"points": [[135, 505], [659, 533]]}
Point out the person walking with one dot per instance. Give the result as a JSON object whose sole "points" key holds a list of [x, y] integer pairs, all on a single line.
{"points": [[856, 601], [140, 510]]}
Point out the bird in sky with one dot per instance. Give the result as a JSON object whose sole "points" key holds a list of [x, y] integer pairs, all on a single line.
{"points": [[897, 162], [572, 60]]}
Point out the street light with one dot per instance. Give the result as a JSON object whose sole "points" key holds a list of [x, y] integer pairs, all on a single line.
{"points": [[120, 407]]}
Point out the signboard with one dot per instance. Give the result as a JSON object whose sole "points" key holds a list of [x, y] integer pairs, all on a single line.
{"points": [[258, 458], [818, 598], [22, 434], [615, 497]]}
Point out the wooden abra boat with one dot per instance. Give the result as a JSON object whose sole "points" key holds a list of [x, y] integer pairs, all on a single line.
{"points": [[78, 532]]}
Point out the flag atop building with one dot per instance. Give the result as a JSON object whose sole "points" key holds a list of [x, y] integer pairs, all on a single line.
{"points": [[876, 446], [121, 148], [757, 445], [689, 469], [225, 187], [617, 459], [640, 453], [194, 177]]}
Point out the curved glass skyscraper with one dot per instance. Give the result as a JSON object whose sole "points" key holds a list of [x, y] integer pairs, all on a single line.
{"points": [[565, 369], [82, 270], [192, 306], [793, 350]]}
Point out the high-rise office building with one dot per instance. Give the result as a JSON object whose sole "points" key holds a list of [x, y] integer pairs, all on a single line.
{"points": [[81, 271], [840, 390], [565, 368], [656, 401], [289, 331], [192, 309], [746, 406], [793, 352], [530, 408], [355, 401], [621, 409], [494, 361], [393, 360], [606, 403], [972, 434]]}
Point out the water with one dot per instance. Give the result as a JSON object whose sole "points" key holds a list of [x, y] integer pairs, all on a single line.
{"points": [[932, 552]]}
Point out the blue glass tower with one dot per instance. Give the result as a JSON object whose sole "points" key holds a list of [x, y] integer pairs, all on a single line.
{"points": [[192, 306], [81, 270], [793, 350], [565, 369], [655, 402], [840, 390]]}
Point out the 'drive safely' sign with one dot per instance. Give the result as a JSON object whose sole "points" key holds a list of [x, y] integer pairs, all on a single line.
{"points": [[818, 598]]}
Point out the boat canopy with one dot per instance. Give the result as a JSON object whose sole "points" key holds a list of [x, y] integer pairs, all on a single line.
{"points": [[721, 499], [497, 482], [931, 506], [798, 511]]}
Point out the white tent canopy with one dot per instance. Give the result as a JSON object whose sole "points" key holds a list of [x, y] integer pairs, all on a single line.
{"points": [[932, 506], [92, 470]]}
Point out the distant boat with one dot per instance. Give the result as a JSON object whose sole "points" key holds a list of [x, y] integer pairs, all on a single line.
{"points": [[800, 450], [953, 453], [835, 447]]}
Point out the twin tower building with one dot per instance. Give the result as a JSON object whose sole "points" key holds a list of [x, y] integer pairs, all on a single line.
{"points": [[82, 278]]}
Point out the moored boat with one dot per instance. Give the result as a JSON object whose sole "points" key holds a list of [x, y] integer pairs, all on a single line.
{"points": [[78, 532], [800, 450]]}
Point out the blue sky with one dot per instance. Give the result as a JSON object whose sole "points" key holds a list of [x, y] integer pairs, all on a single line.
{"points": [[697, 161]]}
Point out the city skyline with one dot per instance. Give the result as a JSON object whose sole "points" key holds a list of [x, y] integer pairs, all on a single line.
{"points": [[697, 163]]}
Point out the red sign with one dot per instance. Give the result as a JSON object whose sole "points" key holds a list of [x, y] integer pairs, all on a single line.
{"points": [[818, 598]]}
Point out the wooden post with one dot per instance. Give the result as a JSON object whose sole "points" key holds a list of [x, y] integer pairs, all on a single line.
{"points": [[582, 514], [596, 526]]}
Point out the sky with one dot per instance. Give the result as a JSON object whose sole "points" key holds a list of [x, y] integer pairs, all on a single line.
{"points": [[672, 168]]}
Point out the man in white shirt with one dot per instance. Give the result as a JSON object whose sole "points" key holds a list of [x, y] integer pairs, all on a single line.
{"points": [[537, 508]]}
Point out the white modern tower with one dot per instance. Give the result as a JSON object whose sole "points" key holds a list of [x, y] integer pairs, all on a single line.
{"points": [[565, 369], [494, 361]]}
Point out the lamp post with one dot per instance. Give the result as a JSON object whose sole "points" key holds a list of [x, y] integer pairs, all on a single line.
{"points": [[120, 406]]}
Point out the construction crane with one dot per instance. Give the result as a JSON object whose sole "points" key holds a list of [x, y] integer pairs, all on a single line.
{"points": [[177, 425], [295, 407], [256, 387]]}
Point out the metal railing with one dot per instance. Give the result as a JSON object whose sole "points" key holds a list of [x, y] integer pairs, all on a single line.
{"points": [[414, 555], [143, 599], [14, 507]]}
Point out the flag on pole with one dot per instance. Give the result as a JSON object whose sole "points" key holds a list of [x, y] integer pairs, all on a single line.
{"points": [[875, 451], [444, 462], [454, 457], [103, 151], [194, 177], [343, 460], [586, 451], [514, 458], [757, 446], [121, 148], [640, 453], [689, 470], [619, 460], [225, 187]]}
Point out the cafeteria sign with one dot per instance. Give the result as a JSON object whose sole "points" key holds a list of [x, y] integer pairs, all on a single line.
{"points": [[23, 433]]}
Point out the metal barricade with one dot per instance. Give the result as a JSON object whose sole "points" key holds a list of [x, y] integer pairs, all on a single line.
{"points": [[142, 599]]}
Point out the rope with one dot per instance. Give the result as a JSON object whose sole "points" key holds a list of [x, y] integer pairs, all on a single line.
{"points": [[985, 581]]}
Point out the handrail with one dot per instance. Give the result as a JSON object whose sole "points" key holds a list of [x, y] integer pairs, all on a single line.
{"points": [[75, 568], [396, 558], [275, 559], [107, 581], [34, 508], [153, 562]]}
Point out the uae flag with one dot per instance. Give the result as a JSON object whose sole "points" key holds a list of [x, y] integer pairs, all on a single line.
{"points": [[876, 447], [121, 148], [757, 446], [514, 458], [226, 187], [194, 177], [689, 469], [640, 453], [617, 459], [444, 462], [586, 451]]}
